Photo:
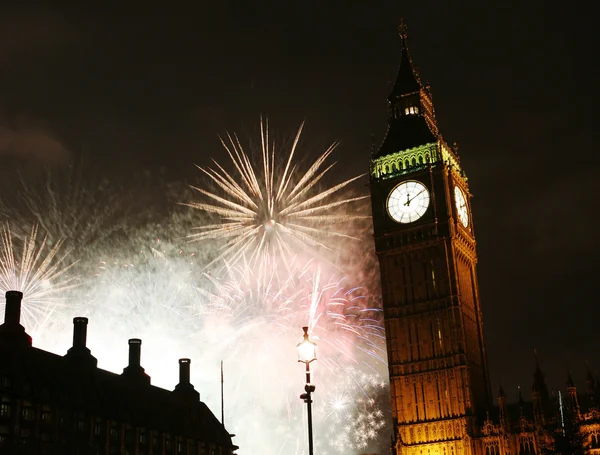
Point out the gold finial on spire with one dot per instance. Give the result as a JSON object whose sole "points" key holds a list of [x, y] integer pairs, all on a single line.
{"points": [[402, 28]]}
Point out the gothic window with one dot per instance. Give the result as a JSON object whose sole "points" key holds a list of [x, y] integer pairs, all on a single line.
{"points": [[526, 447], [114, 432], [97, 428], [5, 409], [80, 421], [128, 434], [5, 382], [411, 110], [154, 439], [27, 413], [46, 416], [432, 335], [595, 441]]}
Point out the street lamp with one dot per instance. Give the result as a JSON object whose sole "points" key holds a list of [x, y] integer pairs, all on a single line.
{"points": [[307, 352]]}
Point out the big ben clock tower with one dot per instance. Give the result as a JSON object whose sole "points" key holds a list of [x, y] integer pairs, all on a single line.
{"points": [[425, 242]]}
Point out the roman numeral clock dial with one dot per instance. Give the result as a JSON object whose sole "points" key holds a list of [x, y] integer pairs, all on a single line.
{"points": [[461, 206], [408, 202]]}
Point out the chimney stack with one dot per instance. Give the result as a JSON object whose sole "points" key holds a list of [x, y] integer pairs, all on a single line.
{"points": [[12, 312], [184, 371], [134, 370], [185, 389], [80, 332], [79, 350], [12, 332], [135, 352]]}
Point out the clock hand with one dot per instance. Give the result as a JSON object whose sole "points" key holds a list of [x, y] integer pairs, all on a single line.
{"points": [[411, 199]]}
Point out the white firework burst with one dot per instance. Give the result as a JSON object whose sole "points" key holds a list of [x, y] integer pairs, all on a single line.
{"points": [[39, 272], [273, 208]]}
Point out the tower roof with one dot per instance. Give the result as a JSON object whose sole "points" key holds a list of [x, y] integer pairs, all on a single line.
{"points": [[407, 80], [570, 382], [539, 381], [412, 119]]}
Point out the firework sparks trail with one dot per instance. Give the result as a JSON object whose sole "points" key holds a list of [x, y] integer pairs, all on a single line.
{"points": [[69, 204], [39, 272], [146, 293], [252, 322], [354, 418], [271, 210]]}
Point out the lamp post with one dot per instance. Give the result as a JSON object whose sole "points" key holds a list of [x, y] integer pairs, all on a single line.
{"points": [[307, 352]]}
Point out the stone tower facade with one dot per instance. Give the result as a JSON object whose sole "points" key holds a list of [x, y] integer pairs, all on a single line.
{"points": [[425, 242]]}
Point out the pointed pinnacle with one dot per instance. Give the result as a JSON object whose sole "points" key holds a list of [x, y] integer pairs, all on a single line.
{"points": [[402, 29], [570, 382]]}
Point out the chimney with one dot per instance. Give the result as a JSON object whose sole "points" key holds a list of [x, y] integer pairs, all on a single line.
{"points": [[184, 371], [135, 353], [12, 312], [185, 389], [134, 370], [12, 332], [79, 351], [79, 332]]}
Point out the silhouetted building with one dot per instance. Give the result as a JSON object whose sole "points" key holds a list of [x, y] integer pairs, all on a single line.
{"points": [[550, 423], [425, 242], [63, 405]]}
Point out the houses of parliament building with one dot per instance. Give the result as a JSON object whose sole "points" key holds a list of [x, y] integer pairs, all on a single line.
{"points": [[425, 242], [65, 405]]}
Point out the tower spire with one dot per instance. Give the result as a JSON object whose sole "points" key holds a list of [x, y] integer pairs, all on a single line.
{"points": [[540, 395], [411, 115], [407, 79]]}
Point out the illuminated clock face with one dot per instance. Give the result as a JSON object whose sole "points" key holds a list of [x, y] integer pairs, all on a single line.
{"points": [[461, 206], [408, 202]]}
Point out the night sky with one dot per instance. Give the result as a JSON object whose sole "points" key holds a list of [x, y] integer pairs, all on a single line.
{"points": [[513, 84]]}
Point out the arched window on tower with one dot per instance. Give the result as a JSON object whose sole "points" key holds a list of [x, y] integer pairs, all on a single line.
{"points": [[526, 447]]}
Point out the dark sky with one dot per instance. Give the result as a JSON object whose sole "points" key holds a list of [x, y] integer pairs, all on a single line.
{"points": [[513, 84]]}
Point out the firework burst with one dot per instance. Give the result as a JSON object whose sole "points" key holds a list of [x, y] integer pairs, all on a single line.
{"points": [[39, 272], [146, 292], [69, 203], [252, 322], [352, 412], [275, 209]]}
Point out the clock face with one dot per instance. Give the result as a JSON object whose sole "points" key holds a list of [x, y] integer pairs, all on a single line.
{"points": [[408, 201], [461, 206]]}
